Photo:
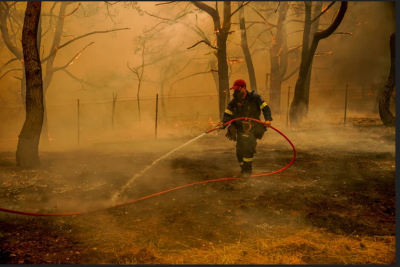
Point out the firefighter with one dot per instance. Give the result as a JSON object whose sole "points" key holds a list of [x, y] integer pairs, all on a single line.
{"points": [[246, 133]]}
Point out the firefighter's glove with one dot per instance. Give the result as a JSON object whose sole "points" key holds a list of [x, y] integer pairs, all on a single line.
{"points": [[220, 126], [231, 133], [267, 123]]}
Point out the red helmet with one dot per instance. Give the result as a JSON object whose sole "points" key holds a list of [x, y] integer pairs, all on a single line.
{"points": [[238, 84]]}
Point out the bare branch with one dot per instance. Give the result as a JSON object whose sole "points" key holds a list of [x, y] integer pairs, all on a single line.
{"points": [[266, 22], [191, 75], [290, 74], [133, 70], [255, 22], [294, 32], [349, 33], [72, 60], [111, 4], [279, 3], [209, 10], [169, 2], [203, 41], [241, 6], [9, 71], [335, 24], [323, 54], [293, 49], [8, 62], [80, 80], [326, 9], [80, 37], [72, 12]]}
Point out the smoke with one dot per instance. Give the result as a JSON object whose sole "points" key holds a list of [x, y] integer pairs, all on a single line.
{"points": [[126, 157]]}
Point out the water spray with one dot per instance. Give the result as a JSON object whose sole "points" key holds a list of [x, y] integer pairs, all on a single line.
{"points": [[117, 194], [171, 189]]}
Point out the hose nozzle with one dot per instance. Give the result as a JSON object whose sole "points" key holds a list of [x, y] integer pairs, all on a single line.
{"points": [[218, 127]]}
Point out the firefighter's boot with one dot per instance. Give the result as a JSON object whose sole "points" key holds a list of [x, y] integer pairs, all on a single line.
{"points": [[246, 170]]}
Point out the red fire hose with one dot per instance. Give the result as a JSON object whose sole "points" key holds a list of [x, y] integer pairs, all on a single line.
{"points": [[168, 190]]}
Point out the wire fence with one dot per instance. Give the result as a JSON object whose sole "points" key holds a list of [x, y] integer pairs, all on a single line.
{"points": [[173, 117]]}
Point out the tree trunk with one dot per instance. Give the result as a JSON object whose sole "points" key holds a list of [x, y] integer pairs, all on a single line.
{"points": [[278, 58], [314, 29], [213, 66], [384, 103], [222, 35], [138, 102], [298, 106], [28, 144], [49, 67], [23, 86], [163, 79], [246, 50], [223, 78], [275, 84], [380, 86], [266, 83]]}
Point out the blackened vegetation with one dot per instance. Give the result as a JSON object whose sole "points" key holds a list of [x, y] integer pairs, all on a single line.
{"points": [[28, 143], [340, 190]]}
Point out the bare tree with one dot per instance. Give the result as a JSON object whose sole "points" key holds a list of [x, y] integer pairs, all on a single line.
{"points": [[384, 103], [313, 29], [298, 105], [6, 11], [221, 32], [246, 50], [28, 143], [279, 51], [278, 58]]}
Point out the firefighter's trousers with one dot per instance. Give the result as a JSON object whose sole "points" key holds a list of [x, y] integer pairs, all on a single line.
{"points": [[245, 149]]}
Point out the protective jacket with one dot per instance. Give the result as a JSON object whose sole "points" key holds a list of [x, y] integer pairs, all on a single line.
{"points": [[250, 107]]}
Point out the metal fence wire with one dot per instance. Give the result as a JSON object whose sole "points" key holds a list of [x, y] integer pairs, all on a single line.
{"points": [[177, 116]]}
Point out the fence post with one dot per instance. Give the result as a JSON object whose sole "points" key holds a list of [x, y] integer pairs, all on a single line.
{"points": [[287, 109], [345, 105], [78, 123], [155, 136], [113, 109]]}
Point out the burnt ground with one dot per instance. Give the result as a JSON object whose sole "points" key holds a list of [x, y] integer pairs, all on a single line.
{"points": [[343, 182]]}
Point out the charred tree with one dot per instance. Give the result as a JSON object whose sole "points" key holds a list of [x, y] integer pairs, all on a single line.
{"points": [[384, 103], [313, 30], [278, 58], [298, 105], [28, 143], [246, 50], [222, 33]]}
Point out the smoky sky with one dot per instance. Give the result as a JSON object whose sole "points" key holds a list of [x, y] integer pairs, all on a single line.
{"points": [[361, 58]]}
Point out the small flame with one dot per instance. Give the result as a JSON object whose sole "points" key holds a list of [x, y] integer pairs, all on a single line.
{"points": [[233, 61], [323, 54]]}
